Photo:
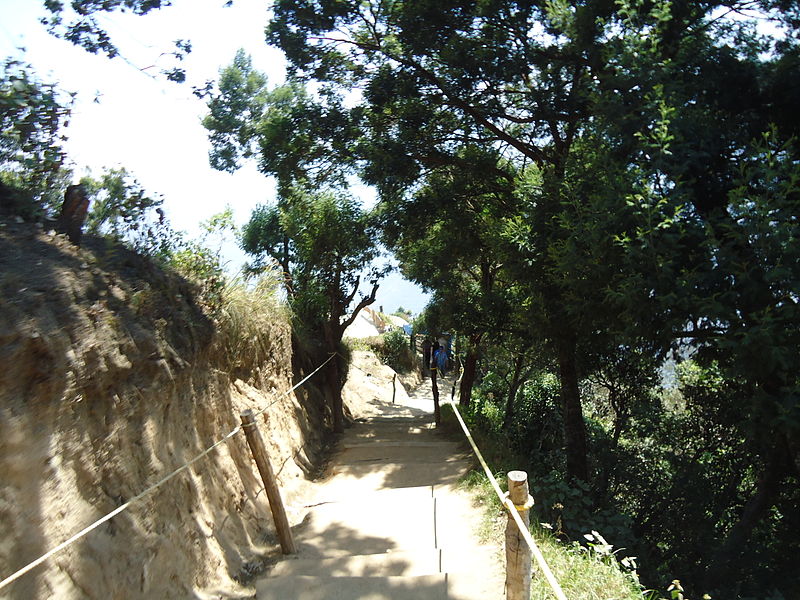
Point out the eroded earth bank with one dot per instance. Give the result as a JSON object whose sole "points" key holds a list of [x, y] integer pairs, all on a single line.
{"points": [[112, 376]]}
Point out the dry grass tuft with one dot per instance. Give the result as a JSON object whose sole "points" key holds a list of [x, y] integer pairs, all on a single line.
{"points": [[581, 572], [252, 322]]}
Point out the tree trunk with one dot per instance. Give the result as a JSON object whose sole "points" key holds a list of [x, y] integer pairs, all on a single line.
{"points": [[457, 366], [512, 392], [725, 558], [336, 396], [468, 378], [437, 413], [574, 427], [73, 213], [334, 330], [470, 371], [334, 382]]}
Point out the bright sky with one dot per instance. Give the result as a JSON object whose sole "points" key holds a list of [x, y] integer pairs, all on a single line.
{"points": [[123, 117]]}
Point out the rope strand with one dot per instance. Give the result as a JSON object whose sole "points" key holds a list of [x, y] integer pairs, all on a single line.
{"points": [[149, 490], [548, 574]]}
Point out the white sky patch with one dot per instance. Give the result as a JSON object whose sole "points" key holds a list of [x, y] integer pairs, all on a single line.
{"points": [[152, 127], [123, 117]]}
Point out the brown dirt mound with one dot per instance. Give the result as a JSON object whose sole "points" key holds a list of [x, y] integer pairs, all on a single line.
{"points": [[113, 377]]}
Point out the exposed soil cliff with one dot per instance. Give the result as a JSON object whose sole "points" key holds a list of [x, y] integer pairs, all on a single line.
{"points": [[111, 378]]}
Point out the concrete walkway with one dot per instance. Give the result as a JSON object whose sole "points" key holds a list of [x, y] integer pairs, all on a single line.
{"points": [[389, 523]]}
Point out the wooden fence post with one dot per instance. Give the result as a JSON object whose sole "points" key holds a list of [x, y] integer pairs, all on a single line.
{"points": [[270, 485], [518, 554]]}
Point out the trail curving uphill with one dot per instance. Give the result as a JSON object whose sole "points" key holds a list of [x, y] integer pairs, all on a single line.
{"points": [[388, 521]]}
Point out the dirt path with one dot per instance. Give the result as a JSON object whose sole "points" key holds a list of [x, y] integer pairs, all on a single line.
{"points": [[388, 521]]}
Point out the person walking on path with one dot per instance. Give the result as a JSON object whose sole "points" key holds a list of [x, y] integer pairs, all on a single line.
{"points": [[440, 358]]}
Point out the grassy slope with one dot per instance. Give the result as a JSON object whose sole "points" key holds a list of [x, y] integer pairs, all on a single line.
{"points": [[583, 574]]}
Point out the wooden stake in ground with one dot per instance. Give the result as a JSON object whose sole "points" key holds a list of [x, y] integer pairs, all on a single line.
{"points": [[270, 485], [518, 554], [73, 213]]}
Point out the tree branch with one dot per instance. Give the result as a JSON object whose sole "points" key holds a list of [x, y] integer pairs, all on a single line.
{"points": [[364, 302], [526, 150]]}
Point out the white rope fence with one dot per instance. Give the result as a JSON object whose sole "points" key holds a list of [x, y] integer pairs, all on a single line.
{"points": [[523, 529], [151, 489]]}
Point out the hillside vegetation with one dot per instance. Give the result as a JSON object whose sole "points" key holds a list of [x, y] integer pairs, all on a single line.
{"points": [[603, 199], [114, 376]]}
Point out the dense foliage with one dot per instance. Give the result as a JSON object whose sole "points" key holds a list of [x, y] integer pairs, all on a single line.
{"points": [[587, 188], [33, 115], [592, 191], [395, 351]]}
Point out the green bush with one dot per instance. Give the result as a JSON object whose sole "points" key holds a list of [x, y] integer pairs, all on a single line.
{"points": [[397, 353], [33, 114], [203, 267], [367, 344], [392, 348]]}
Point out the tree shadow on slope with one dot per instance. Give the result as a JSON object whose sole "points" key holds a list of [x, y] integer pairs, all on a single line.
{"points": [[326, 569], [91, 333]]}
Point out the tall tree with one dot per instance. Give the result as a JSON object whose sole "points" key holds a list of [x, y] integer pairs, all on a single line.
{"points": [[325, 243], [711, 254], [507, 75], [446, 238], [321, 239]]}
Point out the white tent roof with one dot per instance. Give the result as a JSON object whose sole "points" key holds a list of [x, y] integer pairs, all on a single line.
{"points": [[362, 327]]}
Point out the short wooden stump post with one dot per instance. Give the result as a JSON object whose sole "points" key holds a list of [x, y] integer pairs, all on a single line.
{"points": [[518, 554], [270, 484]]}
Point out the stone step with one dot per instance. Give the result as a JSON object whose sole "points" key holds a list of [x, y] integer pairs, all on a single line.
{"points": [[411, 426], [422, 421], [401, 494], [331, 494], [422, 561], [404, 442], [367, 527], [408, 452], [362, 477], [443, 586], [410, 518], [380, 435]]}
